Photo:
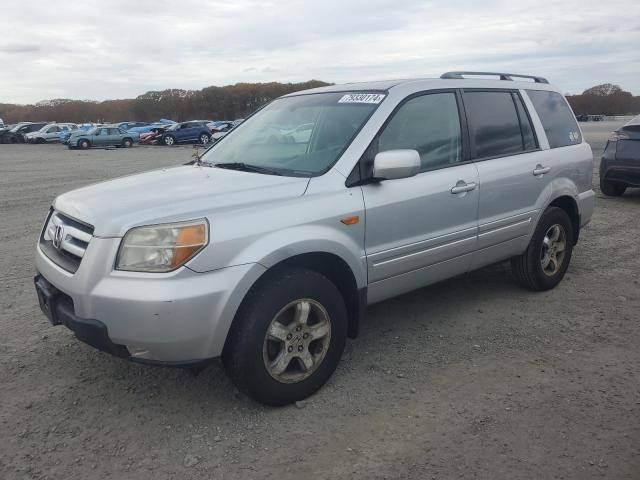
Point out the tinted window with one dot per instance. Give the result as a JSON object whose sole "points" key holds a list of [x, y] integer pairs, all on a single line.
{"points": [[493, 123], [429, 124], [104, 131], [528, 138], [556, 117]]}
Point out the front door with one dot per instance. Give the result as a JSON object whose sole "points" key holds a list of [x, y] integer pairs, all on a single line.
{"points": [[421, 229]]}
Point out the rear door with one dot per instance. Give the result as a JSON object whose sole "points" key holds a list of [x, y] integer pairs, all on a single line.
{"points": [[512, 171], [421, 229]]}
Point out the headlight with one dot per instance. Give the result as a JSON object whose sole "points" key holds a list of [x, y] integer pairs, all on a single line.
{"points": [[162, 248]]}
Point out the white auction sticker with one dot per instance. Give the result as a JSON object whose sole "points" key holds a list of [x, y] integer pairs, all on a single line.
{"points": [[362, 98]]}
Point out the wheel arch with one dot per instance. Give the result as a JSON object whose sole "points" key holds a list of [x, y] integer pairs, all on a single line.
{"points": [[570, 206], [332, 266]]}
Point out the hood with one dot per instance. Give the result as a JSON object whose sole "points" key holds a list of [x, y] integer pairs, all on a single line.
{"points": [[173, 194]]}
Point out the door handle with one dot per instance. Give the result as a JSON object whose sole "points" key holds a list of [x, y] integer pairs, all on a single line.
{"points": [[540, 170], [462, 187]]}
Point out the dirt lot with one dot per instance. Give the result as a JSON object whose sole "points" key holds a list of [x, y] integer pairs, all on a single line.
{"points": [[472, 378]]}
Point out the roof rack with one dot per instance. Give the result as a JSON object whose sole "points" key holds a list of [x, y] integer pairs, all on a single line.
{"points": [[503, 76]]}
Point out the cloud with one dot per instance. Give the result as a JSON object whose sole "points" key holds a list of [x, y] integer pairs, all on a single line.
{"points": [[118, 49]]}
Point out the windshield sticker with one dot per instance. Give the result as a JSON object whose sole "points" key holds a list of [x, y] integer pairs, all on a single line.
{"points": [[374, 98]]}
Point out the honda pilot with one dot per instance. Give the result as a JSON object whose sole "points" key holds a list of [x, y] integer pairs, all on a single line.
{"points": [[267, 250]]}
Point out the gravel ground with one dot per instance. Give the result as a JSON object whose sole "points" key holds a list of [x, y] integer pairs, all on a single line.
{"points": [[471, 378]]}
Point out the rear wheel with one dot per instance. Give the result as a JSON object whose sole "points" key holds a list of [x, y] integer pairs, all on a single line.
{"points": [[611, 189], [543, 265], [127, 142], [169, 140], [287, 338], [204, 139], [84, 144]]}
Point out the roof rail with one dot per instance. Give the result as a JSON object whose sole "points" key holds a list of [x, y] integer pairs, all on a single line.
{"points": [[503, 76]]}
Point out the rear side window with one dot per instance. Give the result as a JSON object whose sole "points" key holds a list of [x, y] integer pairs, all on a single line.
{"points": [[528, 138], [494, 125], [429, 124], [557, 119]]}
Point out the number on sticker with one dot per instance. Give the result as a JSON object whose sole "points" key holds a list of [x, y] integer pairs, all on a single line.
{"points": [[362, 98]]}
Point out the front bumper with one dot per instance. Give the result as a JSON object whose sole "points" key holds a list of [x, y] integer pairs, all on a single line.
{"points": [[181, 317]]}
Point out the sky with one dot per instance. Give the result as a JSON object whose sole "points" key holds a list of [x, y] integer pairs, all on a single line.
{"points": [[105, 49]]}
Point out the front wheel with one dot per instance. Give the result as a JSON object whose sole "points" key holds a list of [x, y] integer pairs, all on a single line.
{"points": [[84, 144], [169, 140], [287, 338], [543, 265]]}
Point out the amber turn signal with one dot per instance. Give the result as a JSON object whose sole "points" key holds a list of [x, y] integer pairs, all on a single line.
{"points": [[350, 220], [189, 241]]}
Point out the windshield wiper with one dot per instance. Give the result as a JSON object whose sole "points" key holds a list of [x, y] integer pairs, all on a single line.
{"points": [[245, 167]]}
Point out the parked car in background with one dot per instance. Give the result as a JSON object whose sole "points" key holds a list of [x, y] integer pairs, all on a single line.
{"points": [[260, 252], [301, 133], [50, 133], [620, 163], [163, 122], [1, 123], [130, 125], [185, 132], [153, 137], [104, 136], [17, 133], [221, 129], [63, 136]]}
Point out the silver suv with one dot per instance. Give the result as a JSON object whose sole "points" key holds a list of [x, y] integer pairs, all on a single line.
{"points": [[267, 250]]}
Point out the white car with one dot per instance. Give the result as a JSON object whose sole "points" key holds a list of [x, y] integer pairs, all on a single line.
{"points": [[50, 133]]}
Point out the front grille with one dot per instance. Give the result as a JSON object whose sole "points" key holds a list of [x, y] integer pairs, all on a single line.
{"points": [[64, 240]]}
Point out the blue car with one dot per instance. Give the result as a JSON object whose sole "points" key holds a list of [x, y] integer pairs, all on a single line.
{"points": [[163, 122], [194, 131], [129, 125], [64, 136]]}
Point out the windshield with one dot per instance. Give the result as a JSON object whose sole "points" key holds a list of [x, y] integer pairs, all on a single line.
{"points": [[298, 136]]}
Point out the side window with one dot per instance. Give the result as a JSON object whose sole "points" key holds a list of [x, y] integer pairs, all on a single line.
{"points": [[528, 138], [557, 119], [429, 124], [493, 123], [104, 131], [115, 131]]}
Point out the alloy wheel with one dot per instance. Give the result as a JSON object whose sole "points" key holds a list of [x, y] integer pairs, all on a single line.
{"points": [[297, 341], [553, 249]]}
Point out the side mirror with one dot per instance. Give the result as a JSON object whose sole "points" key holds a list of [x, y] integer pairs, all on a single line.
{"points": [[394, 164]]}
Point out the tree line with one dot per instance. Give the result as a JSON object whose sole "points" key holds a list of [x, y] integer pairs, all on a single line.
{"points": [[605, 99], [210, 103], [239, 100]]}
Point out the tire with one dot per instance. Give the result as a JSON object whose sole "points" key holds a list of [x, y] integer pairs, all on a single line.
{"points": [[611, 189], [250, 353], [204, 138], [84, 144], [169, 141], [127, 143], [529, 269]]}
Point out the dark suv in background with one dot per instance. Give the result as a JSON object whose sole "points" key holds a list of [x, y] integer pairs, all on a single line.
{"points": [[194, 131], [620, 164], [16, 134]]}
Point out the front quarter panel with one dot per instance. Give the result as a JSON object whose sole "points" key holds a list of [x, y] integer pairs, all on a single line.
{"points": [[276, 231]]}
